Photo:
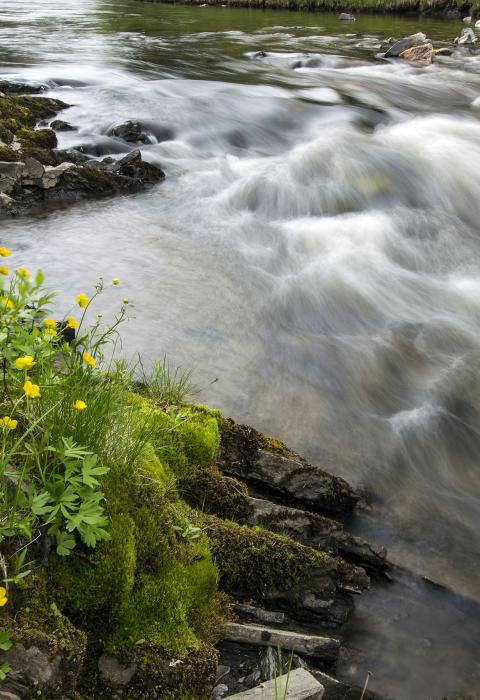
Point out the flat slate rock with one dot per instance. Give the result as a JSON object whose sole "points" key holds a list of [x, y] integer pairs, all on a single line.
{"points": [[324, 648], [297, 685]]}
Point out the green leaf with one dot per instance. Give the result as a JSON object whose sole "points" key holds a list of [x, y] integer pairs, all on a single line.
{"points": [[4, 671], [5, 641], [65, 543], [41, 503]]}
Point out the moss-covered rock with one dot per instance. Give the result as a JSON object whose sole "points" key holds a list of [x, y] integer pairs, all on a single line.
{"points": [[212, 492], [259, 564], [48, 652]]}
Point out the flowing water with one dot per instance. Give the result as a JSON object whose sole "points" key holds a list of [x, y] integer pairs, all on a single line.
{"points": [[315, 249]]}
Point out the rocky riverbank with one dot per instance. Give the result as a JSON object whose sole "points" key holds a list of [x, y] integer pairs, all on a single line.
{"points": [[34, 173]]}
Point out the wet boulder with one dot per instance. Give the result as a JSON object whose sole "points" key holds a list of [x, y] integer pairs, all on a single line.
{"points": [[346, 17], [423, 54], [131, 132], [467, 37], [60, 125], [402, 45]]}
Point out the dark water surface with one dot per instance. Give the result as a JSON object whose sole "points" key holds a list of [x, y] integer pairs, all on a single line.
{"points": [[315, 247]]}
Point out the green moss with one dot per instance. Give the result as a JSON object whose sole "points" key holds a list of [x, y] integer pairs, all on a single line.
{"points": [[212, 492], [8, 154], [200, 437], [251, 560], [42, 138], [93, 587]]}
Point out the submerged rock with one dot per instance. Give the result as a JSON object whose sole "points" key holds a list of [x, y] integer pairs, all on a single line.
{"points": [[60, 125], [346, 17], [403, 44]]}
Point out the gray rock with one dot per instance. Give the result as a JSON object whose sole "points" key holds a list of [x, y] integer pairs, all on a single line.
{"points": [[112, 671], [219, 691], [267, 616], [268, 664], [32, 169], [33, 664], [5, 695], [222, 671], [467, 37], [324, 648], [403, 44], [346, 17], [444, 51], [52, 174], [300, 683]]}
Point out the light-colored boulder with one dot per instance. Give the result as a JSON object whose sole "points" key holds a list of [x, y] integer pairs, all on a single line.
{"points": [[297, 685], [424, 54]]}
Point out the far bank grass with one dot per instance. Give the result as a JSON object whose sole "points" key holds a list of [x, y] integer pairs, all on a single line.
{"points": [[445, 8]]}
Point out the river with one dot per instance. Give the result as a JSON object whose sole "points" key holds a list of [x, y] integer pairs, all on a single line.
{"points": [[313, 255]]}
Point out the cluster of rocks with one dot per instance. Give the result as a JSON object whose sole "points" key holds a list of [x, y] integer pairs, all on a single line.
{"points": [[282, 626], [33, 172], [418, 49]]}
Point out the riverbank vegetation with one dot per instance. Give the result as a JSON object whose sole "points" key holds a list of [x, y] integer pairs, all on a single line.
{"points": [[444, 8], [99, 553]]}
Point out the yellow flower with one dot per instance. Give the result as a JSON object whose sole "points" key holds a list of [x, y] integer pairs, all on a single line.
{"points": [[82, 300], [4, 252], [50, 323], [71, 323], [3, 596], [80, 405], [51, 331], [8, 423], [125, 300], [8, 303], [31, 390], [4, 270], [115, 281], [25, 362], [22, 273], [89, 359]]}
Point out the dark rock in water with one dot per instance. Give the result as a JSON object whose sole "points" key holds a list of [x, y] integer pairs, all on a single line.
{"points": [[72, 155], [252, 456], [260, 54], [339, 690], [444, 51], [102, 147], [346, 17], [131, 132], [419, 54], [403, 44], [11, 88], [60, 125]]}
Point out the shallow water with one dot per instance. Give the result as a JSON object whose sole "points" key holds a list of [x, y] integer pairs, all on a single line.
{"points": [[315, 249]]}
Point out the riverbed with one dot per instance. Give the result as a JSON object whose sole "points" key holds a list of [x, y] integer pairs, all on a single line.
{"points": [[313, 255]]}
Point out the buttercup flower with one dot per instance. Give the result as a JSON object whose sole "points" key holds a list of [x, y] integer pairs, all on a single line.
{"points": [[22, 273], [82, 300], [8, 423], [50, 331], [8, 303], [4, 252], [25, 362], [31, 390], [115, 281], [3, 596], [71, 323], [50, 323], [4, 270], [89, 359], [125, 300], [80, 405]]}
